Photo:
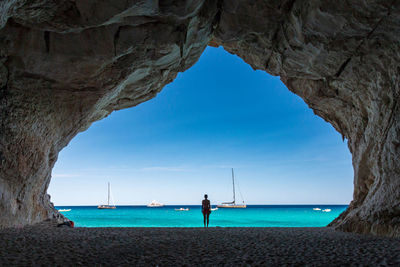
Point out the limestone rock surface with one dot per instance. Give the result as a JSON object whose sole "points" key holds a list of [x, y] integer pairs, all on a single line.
{"points": [[66, 64]]}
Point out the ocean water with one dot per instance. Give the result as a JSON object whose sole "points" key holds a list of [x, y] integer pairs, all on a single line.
{"points": [[167, 216]]}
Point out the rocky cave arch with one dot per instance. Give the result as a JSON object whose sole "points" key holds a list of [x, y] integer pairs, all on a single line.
{"points": [[65, 65]]}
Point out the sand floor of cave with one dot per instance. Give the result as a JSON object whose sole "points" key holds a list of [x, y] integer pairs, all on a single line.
{"points": [[40, 245]]}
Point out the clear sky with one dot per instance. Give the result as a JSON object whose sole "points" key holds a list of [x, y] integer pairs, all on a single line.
{"points": [[218, 114]]}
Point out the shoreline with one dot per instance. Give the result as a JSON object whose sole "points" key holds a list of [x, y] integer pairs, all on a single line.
{"points": [[142, 246]]}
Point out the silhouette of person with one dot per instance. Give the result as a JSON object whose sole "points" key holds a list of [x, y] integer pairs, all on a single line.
{"points": [[206, 209]]}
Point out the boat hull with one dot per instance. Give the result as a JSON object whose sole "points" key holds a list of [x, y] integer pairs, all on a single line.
{"points": [[106, 207], [232, 206]]}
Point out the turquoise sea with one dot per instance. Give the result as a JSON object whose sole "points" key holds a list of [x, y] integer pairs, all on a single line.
{"points": [[167, 216]]}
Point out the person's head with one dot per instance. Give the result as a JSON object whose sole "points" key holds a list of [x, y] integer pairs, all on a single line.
{"points": [[205, 196]]}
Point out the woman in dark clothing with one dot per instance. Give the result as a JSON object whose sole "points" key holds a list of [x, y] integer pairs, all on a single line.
{"points": [[206, 209]]}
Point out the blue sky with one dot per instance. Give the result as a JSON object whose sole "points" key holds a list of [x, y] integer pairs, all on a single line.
{"points": [[219, 114]]}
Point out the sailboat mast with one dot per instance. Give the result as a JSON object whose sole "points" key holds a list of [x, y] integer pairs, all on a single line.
{"points": [[108, 200], [233, 183]]}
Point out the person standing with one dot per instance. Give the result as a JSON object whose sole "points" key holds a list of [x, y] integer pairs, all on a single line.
{"points": [[206, 210]]}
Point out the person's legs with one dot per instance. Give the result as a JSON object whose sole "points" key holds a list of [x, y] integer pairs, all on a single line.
{"points": [[204, 216], [208, 218]]}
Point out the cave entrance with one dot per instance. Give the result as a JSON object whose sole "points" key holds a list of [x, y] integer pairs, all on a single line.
{"points": [[181, 144]]}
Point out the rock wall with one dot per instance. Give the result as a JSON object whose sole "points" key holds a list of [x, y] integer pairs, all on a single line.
{"points": [[342, 58], [65, 65]]}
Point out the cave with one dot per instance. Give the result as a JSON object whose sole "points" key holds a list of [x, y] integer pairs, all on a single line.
{"points": [[66, 65]]}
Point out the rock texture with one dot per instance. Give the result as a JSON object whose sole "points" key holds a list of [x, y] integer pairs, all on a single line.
{"points": [[64, 65]]}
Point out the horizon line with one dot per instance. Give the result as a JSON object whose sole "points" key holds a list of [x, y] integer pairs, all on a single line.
{"points": [[128, 205]]}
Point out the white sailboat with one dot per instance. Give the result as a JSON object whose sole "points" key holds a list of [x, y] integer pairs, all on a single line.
{"points": [[108, 206], [232, 204]]}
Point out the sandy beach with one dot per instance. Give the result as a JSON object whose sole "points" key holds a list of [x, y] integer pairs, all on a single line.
{"points": [[44, 245]]}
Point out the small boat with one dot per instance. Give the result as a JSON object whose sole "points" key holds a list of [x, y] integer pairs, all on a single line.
{"points": [[316, 209], [64, 210], [182, 209], [214, 209], [232, 205], [108, 206], [326, 210], [155, 204]]}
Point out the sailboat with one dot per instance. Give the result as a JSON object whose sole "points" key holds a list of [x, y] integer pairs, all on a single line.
{"points": [[108, 206], [232, 204]]}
